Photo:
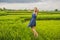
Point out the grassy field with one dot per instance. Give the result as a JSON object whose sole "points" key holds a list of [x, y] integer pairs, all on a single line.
{"points": [[14, 27], [16, 30]]}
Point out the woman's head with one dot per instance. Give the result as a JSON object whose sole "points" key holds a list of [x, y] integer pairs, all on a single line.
{"points": [[35, 9]]}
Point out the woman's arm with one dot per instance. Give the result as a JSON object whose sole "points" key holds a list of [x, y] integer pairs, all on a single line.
{"points": [[36, 10]]}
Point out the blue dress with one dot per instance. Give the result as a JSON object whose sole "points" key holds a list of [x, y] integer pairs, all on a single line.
{"points": [[32, 21]]}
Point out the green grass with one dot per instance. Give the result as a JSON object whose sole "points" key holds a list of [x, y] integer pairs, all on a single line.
{"points": [[18, 30], [48, 29], [14, 27], [39, 17]]}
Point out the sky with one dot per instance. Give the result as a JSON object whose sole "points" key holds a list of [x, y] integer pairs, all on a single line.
{"points": [[30, 4]]}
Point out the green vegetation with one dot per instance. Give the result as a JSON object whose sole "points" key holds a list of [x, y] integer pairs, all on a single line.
{"points": [[14, 26]]}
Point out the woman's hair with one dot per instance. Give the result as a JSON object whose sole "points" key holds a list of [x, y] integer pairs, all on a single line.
{"points": [[35, 9]]}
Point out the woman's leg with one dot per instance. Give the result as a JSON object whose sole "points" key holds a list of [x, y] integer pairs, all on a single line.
{"points": [[34, 31]]}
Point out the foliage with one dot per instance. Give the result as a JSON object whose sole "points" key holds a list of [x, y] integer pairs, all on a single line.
{"points": [[15, 27]]}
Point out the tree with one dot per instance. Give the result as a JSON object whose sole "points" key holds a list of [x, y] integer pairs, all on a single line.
{"points": [[0, 9], [56, 9], [4, 8]]}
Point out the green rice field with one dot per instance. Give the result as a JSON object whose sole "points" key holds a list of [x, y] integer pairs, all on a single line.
{"points": [[15, 27]]}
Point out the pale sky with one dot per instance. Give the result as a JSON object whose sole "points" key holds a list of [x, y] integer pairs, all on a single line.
{"points": [[30, 4]]}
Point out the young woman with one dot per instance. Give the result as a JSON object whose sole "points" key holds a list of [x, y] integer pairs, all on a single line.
{"points": [[32, 23]]}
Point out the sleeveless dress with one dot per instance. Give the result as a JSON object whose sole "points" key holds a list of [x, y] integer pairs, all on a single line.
{"points": [[32, 21]]}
